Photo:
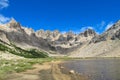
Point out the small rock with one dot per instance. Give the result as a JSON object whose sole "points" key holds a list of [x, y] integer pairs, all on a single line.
{"points": [[72, 72]]}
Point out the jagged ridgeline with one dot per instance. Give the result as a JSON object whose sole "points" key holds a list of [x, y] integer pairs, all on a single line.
{"points": [[53, 42], [29, 43]]}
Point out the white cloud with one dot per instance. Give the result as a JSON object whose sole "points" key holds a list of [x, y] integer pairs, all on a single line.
{"points": [[4, 19], [84, 28], [4, 4], [109, 25]]}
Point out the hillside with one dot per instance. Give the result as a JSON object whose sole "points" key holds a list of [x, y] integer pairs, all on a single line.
{"points": [[104, 45], [25, 42], [53, 42]]}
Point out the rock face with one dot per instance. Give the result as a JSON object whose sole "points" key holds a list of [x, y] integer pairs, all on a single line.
{"points": [[28, 31], [3, 37], [86, 35], [56, 42], [65, 43], [48, 35], [104, 45], [22, 37], [14, 26], [111, 34]]}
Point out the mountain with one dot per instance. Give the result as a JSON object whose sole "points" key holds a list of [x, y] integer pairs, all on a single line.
{"points": [[22, 37], [85, 44], [67, 42], [105, 45], [111, 34], [45, 40]]}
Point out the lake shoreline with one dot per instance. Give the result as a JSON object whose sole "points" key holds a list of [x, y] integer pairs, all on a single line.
{"points": [[47, 71]]}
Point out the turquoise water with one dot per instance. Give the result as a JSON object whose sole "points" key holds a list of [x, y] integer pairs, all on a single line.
{"points": [[96, 69]]}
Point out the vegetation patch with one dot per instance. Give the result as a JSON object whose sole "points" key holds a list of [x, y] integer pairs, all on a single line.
{"points": [[32, 53], [9, 66]]}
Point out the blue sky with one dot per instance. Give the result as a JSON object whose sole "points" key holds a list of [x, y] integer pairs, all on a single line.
{"points": [[63, 15]]}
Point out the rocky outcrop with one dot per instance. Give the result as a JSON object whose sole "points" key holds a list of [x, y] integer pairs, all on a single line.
{"points": [[89, 32], [111, 34], [25, 38], [116, 35], [104, 45], [86, 35], [15, 26], [3, 37], [28, 31], [48, 35]]}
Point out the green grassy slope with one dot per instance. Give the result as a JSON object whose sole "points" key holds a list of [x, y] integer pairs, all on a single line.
{"points": [[32, 53]]}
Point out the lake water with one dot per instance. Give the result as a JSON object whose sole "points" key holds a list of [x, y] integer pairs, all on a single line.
{"points": [[96, 69]]}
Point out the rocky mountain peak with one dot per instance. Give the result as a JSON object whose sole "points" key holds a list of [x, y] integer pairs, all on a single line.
{"points": [[13, 21], [28, 31], [116, 26], [40, 33], [88, 32], [112, 33], [56, 32], [13, 25]]}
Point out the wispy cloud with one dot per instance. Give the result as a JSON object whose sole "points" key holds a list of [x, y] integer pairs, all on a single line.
{"points": [[4, 19], [101, 25], [109, 25], [4, 4]]}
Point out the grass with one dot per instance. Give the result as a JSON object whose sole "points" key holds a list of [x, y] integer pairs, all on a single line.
{"points": [[32, 53], [10, 66], [32, 57]]}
